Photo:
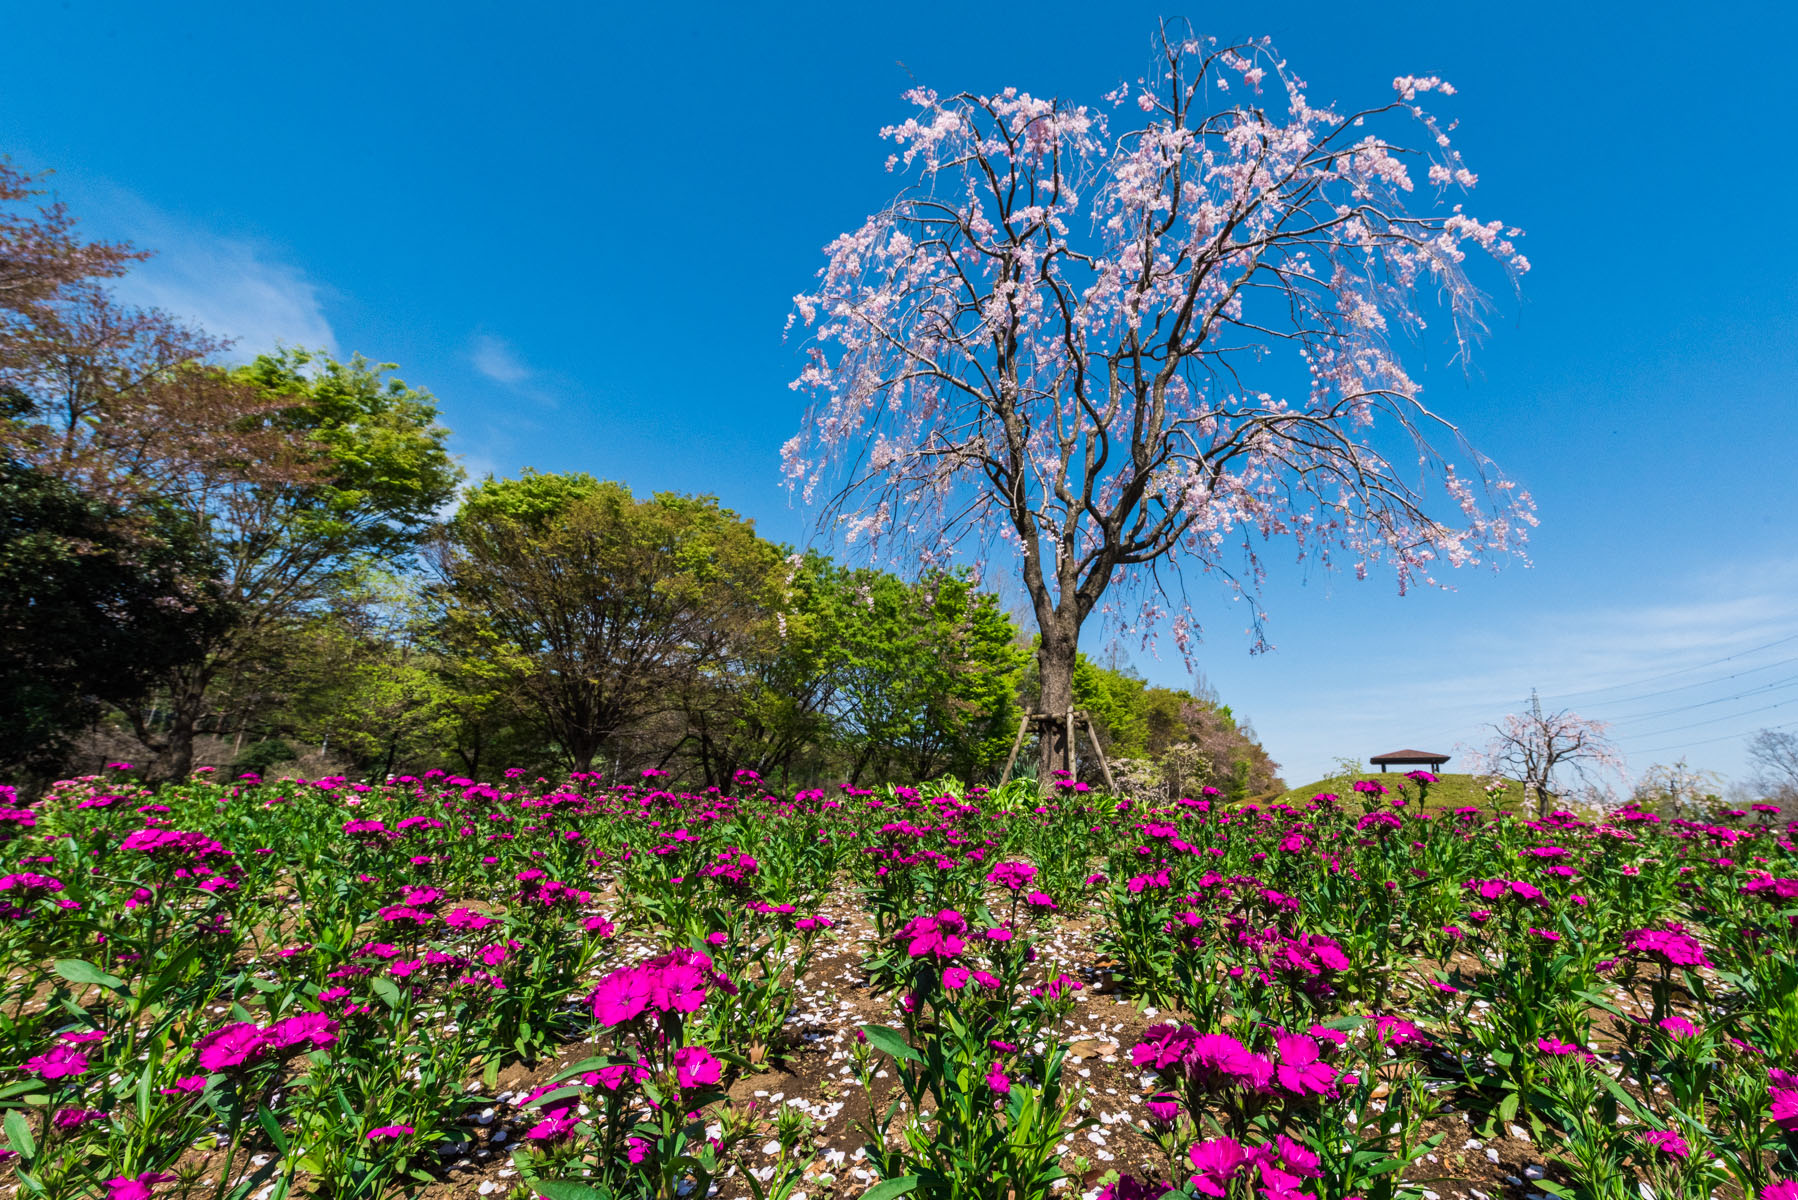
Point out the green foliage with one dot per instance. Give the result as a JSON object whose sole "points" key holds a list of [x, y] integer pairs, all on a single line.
{"points": [[96, 602], [927, 674], [382, 463], [1451, 791], [263, 755], [606, 606], [1186, 739]]}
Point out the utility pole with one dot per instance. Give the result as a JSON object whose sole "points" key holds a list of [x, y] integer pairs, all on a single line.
{"points": [[1541, 785]]}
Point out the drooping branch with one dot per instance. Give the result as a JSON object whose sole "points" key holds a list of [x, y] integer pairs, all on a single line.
{"points": [[1110, 351]]}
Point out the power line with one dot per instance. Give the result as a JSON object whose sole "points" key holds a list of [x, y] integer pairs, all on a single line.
{"points": [[1487, 705], [1680, 671], [1666, 712], [1723, 738], [1712, 721], [1686, 687]]}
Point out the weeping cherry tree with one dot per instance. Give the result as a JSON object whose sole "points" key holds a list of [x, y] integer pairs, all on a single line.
{"points": [[1121, 344]]}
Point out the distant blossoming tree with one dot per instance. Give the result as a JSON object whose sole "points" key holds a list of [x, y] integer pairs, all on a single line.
{"points": [[1535, 747], [1113, 346]]}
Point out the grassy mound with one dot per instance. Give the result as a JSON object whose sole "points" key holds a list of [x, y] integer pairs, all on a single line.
{"points": [[1449, 792]]}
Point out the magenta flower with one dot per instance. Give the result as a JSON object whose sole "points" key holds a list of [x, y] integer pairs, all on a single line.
{"points": [[1671, 947], [1302, 1070], [1398, 1033], [556, 1125], [306, 1031], [1556, 1047], [613, 1077], [1164, 1045], [1781, 1189], [938, 935], [234, 1045], [997, 1079], [1336, 1037], [62, 1062], [126, 1188], [1013, 875], [1227, 1061], [956, 978], [678, 987], [1784, 1099], [695, 1065], [468, 918], [1163, 1107], [187, 1085], [1679, 1027], [1129, 1187], [389, 1133], [1668, 1142], [1299, 1160], [621, 995], [1215, 1163]]}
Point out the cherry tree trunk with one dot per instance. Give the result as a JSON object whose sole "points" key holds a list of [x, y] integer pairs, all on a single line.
{"points": [[1055, 657]]}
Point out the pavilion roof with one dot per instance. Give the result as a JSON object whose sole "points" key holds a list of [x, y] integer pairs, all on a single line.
{"points": [[1400, 756]]}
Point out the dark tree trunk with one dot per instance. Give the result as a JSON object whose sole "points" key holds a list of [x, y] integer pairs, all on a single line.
{"points": [[174, 750], [1055, 658], [177, 758]]}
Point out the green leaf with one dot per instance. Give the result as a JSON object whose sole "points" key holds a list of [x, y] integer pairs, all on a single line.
{"points": [[273, 1127], [18, 1134], [76, 971], [565, 1189], [387, 990], [892, 1042], [1507, 1108], [883, 1190]]}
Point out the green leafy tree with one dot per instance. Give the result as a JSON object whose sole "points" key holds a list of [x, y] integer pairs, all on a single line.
{"points": [[928, 675], [1189, 738], [350, 470], [609, 606], [765, 703], [97, 603]]}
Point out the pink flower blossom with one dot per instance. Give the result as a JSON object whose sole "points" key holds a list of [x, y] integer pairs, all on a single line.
{"points": [[125, 1187], [695, 1066], [555, 1125], [938, 936], [1301, 1070], [233, 1045], [622, 995], [62, 1062], [1215, 1163]]}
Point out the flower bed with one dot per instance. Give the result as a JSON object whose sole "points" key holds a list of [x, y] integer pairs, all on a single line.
{"points": [[581, 990]]}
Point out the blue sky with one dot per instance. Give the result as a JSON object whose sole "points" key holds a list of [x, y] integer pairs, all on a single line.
{"points": [[582, 228]]}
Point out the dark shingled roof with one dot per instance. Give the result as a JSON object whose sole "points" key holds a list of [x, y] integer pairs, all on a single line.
{"points": [[1405, 756]]}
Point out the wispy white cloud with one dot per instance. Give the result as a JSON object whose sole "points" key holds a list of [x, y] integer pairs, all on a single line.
{"points": [[494, 357], [234, 287], [1662, 671]]}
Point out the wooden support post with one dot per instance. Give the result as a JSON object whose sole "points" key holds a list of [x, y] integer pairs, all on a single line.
{"points": [[1092, 735], [1073, 759], [1016, 745]]}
